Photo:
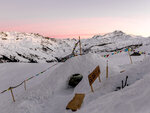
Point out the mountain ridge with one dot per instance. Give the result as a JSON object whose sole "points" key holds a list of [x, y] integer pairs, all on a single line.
{"points": [[33, 47]]}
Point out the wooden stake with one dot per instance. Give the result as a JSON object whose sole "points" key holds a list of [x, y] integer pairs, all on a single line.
{"points": [[122, 84], [126, 81], [92, 89], [99, 78], [25, 85], [12, 94], [107, 70], [130, 56], [80, 46], [144, 56]]}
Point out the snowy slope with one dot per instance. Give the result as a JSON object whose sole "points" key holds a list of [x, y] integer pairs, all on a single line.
{"points": [[132, 99], [114, 41], [49, 93], [54, 87], [31, 47]]}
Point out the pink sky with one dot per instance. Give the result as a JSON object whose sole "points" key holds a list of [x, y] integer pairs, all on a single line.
{"points": [[71, 18], [84, 27]]}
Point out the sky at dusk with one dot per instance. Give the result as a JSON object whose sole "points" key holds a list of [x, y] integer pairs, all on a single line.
{"points": [[71, 18]]}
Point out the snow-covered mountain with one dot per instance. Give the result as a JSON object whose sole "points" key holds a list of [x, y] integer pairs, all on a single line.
{"points": [[31, 47], [114, 41]]}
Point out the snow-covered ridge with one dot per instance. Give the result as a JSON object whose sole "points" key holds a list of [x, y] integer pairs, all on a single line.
{"points": [[32, 47]]}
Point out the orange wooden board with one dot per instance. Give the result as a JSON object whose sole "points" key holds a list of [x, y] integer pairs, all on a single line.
{"points": [[76, 102], [92, 77]]}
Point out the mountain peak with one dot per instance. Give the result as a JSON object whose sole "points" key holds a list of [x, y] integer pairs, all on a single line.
{"points": [[115, 33], [118, 32]]}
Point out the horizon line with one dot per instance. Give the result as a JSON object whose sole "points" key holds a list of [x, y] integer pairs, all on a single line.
{"points": [[63, 36]]}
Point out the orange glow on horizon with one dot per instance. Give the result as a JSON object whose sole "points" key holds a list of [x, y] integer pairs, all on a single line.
{"points": [[82, 36], [84, 27]]}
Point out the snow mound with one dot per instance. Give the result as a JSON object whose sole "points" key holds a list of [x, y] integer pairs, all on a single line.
{"points": [[131, 99], [54, 88], [83, 65], [49, 92]]}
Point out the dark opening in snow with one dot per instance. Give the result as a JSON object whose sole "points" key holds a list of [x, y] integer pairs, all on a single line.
{"points": [[74, 80]]}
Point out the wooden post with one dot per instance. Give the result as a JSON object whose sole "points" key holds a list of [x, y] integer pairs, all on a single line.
{"points": [[12, 94], [126, 81], [107, 70], [144, 55], [122, 84], [25, 84], [99, 78], [80, 46], [92, 89], [130, 56]]}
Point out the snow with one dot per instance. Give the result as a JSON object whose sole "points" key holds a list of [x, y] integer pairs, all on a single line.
{"points": [[33, 46], [132, 99], [49, 91]]}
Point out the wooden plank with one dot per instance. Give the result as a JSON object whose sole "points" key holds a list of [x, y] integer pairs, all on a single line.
{"points": [[93, 76], [76, 102]]}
